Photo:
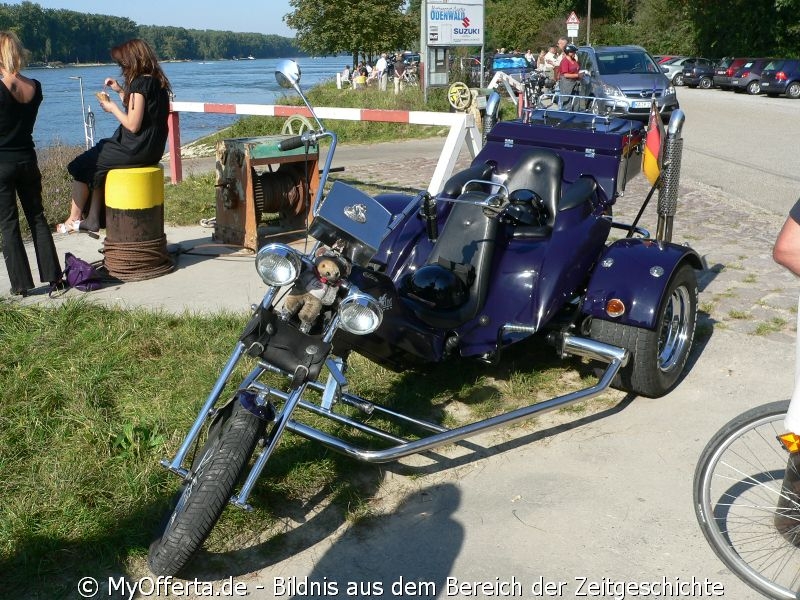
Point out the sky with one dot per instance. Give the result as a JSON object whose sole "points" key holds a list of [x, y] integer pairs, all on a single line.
{"points": [[241, 16]]}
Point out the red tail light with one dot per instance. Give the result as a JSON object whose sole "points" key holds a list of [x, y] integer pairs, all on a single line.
{"points": [[745, 74], [780, 76], [729, 72]]}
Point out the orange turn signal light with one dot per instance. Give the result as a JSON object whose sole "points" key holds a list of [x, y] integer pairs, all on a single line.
{"points": [[790, 441], [615, 307]]}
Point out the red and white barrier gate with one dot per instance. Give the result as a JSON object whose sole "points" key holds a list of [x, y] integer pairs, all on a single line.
{"points": [[462, 128]]}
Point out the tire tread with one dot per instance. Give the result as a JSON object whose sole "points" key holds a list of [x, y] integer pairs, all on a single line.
{"points": [[169, 553]]}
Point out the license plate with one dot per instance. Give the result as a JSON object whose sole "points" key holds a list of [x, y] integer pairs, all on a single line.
{"points": [[640, 104], [734, 81], [764, 84]]}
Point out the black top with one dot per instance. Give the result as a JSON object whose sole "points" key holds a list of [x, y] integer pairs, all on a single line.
{"points": [[147, 145], [16, 124]]}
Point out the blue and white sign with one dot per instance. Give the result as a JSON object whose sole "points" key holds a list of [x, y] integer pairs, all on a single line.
{"points": [[458, 23]]}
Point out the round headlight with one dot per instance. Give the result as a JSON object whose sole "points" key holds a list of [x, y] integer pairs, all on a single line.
{"points": [[278, 265], [360, 314]]}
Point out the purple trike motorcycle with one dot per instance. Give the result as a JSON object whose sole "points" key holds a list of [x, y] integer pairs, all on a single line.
{"points": [[521, 245]]}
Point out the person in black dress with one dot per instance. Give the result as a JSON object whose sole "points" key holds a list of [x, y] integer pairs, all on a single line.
{"points": [[20, 98], [138, 141]]}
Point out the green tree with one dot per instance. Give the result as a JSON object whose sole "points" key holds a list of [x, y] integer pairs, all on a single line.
{"points": [[664, 27], [357, 27]]}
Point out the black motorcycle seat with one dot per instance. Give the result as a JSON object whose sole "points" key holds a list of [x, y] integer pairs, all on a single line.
{"points": [[580, 192], [539, 170], [455, 185]]}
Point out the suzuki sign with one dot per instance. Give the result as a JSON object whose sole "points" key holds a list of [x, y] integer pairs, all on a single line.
{"points": [[457, 23]]}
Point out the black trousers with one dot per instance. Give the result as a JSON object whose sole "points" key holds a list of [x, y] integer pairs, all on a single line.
{"points": [[23, 180]]}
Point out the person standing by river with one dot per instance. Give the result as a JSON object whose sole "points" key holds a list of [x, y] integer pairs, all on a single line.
{"points": [[20, 98], [138, 141]]}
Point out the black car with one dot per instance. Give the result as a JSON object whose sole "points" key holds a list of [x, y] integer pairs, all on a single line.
{"points": [[781, 77], [699, 75], [748, 76]]}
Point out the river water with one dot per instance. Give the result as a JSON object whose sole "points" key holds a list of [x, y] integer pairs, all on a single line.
{"points": [[229, 81]]}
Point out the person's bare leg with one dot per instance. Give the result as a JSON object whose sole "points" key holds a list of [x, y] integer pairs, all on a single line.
{"points": [[80, 194]]}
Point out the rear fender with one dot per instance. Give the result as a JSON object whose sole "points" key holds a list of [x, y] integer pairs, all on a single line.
{"points": [[636, 271]]}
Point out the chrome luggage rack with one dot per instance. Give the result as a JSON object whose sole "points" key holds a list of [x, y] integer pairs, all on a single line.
{"points": [[558, 105]]}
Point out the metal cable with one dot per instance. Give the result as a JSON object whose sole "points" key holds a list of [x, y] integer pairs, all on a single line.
{"points": [[137, 261]]}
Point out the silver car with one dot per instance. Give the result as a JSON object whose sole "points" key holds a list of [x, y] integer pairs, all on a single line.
{"points": [[623, 80], [674, 68]]}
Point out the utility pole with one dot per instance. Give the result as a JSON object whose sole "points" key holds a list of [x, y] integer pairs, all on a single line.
{"points": [[589, 23], [423, 49]]}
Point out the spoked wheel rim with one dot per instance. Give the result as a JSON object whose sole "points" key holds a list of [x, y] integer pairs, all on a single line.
{"points": [[675, 329], [738, 497]]}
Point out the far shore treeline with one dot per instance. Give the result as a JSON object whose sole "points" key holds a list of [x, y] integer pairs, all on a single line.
{"points": [[64, 36]]}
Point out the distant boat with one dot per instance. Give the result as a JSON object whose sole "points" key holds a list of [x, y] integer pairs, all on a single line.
{"points": [[251, 57]]}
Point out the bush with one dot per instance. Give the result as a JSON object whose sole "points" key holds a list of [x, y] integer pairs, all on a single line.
{"points": [[56, 182]]}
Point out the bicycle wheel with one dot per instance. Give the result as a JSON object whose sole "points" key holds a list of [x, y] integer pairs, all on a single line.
{"points": [[739, 499]]}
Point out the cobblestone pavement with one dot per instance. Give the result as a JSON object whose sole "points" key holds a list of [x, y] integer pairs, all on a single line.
{"points": [[741, 288]]}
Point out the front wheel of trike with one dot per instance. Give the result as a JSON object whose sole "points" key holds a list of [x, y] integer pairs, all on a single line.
{"points": [[657, 357], [204, 495]]}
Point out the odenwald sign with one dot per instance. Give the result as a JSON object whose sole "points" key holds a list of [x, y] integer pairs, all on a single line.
{"points": [[455, 23]]}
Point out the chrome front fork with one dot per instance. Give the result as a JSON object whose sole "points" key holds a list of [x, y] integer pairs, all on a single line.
{"points": [[176, 464]]}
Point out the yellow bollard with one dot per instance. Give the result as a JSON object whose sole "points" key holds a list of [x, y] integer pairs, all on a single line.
{"points": [[135, 246]]}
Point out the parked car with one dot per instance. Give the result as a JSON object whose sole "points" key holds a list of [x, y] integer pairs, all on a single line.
{"points": [[781, 77], [625, 79], [748, 76], [725, 70], [674, 68], [699, 74]]}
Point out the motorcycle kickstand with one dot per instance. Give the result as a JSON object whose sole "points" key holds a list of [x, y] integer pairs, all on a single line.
{"points": [[274, 436]]}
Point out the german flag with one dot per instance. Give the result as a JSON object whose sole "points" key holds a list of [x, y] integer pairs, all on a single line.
{"points": [[653, 144]]}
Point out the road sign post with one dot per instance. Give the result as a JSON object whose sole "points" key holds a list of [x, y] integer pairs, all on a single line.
{"points": [[573, 23]]}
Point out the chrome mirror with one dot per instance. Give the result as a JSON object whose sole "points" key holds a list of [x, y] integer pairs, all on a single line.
{"points": [[287, 72]]}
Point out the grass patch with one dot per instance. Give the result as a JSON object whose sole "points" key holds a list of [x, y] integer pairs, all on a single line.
{"points": [[739, 314], [193, 199], [773, 325], [356, 132]]}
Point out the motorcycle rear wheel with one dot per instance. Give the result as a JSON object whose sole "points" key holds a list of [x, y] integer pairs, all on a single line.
{"points": [[738, 485], [657, 356], [204, 495]]}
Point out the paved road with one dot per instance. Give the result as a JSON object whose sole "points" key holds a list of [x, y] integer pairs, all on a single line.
{"points": [[743, 145]]}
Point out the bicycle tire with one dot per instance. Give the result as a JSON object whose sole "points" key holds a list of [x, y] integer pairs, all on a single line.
{"points": [[737, 484]]}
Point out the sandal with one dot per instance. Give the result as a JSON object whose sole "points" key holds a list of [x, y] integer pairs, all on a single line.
{"points": [[76, 227], [68, 226]]}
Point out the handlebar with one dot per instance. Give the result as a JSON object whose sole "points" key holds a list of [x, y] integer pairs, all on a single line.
{"points": [[309, 138], [291, 143]]}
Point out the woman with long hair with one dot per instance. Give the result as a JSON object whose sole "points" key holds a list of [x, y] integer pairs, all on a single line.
{"points": [[138, 141], [20, 98]]}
